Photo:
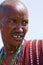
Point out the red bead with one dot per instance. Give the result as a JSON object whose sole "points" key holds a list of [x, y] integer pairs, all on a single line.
{"points": [[4, 63], [14, 63]]}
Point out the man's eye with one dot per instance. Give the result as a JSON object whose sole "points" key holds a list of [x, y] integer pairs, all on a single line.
{"points": [[12, 21], [24, 23]]}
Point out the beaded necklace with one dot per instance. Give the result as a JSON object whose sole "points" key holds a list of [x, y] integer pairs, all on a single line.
{"points": [[16, 57]]}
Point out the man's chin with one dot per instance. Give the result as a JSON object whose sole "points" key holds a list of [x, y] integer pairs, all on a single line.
{"points": [[16, 43]]}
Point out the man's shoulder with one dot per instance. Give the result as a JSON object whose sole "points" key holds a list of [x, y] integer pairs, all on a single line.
{"points": [[33, 50], [34, 47], [26, 42], [33, 43]]}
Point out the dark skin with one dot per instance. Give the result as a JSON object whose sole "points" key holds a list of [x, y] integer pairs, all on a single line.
{"points": [[14, 26]]}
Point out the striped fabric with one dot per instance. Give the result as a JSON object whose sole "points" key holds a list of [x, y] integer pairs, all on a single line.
{"points": [[33, 52]]}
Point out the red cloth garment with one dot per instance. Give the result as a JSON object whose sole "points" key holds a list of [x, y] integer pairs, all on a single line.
{"points": [[33, 52]]}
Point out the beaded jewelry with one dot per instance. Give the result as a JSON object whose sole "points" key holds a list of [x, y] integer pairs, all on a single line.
{"points": [[16, 57]]}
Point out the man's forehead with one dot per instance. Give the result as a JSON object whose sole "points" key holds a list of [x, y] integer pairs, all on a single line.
{"points": [[15, 4], [14, 12], [16, 9]]}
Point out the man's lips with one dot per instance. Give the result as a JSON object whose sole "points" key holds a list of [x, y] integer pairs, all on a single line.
{"points": [[18, 36]]}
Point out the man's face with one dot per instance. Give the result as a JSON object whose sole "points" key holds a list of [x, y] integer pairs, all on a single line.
{"points": [[14, 27]]}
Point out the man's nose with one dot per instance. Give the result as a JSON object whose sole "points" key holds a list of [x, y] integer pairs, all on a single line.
{"points": [[19, 28]]}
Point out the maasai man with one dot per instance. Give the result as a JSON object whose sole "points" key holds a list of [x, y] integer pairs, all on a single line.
{"points": [[13, 26]]}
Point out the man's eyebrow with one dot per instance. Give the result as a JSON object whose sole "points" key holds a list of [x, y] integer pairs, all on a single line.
{"points": [[25, 19], [13, 19]]}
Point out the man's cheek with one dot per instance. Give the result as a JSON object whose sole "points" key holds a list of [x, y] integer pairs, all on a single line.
{"points": [[26, 28]]}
